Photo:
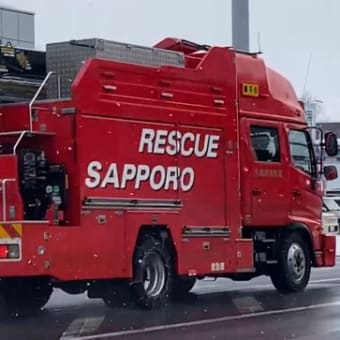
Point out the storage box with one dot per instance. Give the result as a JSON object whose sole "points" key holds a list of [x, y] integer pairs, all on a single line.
{"points": [[66, 58]]}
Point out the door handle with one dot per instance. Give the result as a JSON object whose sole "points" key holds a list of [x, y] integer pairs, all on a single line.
{"points": [[256, 192], [296, 193]]}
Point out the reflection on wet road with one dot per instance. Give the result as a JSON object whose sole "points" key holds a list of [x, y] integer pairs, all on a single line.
{"points": [[214, 310]]}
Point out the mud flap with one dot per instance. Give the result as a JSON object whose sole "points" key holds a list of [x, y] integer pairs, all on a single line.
{"points": [[329, 253]]}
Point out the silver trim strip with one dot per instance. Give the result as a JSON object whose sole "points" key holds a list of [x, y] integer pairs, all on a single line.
{"points": [[31, 133], [107, 202], [206, 231], [25, 222]]}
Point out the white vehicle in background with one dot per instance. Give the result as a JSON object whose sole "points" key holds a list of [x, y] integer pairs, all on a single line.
{"points": [[331, 214], [330, 223], [331, 205]]}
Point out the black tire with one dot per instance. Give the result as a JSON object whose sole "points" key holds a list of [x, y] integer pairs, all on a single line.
{"points": [[182, 285], [21, 296], [152, 272], [292, 272]]}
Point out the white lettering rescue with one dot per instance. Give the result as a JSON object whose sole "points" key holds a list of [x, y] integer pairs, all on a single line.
{"points": [[174, 142], [158, 177]]}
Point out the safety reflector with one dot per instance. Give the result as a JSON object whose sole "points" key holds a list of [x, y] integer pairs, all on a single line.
{"points": [[13, 251]]}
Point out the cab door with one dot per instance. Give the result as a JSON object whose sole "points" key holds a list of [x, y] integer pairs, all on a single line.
{"points": [[306, 196], [264, 173]]}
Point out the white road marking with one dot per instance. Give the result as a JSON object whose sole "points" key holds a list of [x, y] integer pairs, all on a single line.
{"points": [[325, 280], [201, 290], [82, 326], [310, 282], [244, 304], [205, 322]]}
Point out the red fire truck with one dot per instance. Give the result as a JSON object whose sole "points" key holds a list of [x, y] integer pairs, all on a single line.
{"points": [[148, 178]]}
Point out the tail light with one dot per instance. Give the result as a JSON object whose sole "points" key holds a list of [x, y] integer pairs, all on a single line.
{"points": [[3, 252], [9, 251]]}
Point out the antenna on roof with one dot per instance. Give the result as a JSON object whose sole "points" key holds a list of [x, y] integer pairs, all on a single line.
{"points": [[259, 42], [307, 74]]}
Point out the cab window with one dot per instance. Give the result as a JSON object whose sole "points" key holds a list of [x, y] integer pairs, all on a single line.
{"points": [[265, 144], [300, 150]]}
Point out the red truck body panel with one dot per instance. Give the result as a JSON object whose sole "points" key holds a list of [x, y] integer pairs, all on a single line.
{"points": [[160, 147]]}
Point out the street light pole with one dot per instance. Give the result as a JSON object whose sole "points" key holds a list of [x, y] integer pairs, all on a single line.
{"points": [[240, 24]]}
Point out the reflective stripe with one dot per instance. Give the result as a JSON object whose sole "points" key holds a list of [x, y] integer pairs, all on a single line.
{"points": [[10, 230], [18, 228], [3, 233]]}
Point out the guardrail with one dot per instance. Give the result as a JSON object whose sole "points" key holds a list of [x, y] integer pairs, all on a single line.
{"points": [[3, 182], [42, 85]]}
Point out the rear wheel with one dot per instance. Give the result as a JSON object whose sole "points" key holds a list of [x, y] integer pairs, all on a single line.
{"points": [[292, 272], [153, 272], [24, 295]]}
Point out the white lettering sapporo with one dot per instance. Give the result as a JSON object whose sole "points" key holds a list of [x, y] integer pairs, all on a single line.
{"points": [[159, 177]]}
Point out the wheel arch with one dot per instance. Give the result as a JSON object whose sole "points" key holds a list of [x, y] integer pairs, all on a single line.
{"points": [[161, 232], [305, 233], [156, 244]]}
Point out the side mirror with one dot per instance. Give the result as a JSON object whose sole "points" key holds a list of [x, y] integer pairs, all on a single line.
{"points": [[331, 144], [330, 172]]}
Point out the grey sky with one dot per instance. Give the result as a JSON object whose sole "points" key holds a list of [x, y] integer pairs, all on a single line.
{"points": [[290, 31]]}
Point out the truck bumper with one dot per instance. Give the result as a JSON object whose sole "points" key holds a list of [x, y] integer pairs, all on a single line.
{"points": [[327, 255]]}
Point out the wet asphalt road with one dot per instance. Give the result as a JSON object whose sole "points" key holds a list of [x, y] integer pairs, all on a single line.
{"points": [[214, 310]]}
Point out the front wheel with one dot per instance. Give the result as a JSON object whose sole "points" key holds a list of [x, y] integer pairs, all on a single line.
{"points": [[153, 272], [292, 272]]}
